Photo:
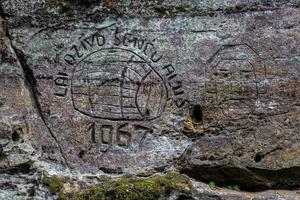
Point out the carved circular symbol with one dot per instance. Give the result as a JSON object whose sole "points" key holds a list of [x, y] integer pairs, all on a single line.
{"points": [[101, 105], [117, 84], [235, 79]]}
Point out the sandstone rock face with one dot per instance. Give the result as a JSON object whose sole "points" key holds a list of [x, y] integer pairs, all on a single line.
{"points": [[210, 89]]}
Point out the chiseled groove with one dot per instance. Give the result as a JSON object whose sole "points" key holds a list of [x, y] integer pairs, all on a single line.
{"points": [[31, 84]]}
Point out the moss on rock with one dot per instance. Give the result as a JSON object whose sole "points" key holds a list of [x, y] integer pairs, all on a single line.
{"points": [[53, 183], [62, 5], [133, 188]]}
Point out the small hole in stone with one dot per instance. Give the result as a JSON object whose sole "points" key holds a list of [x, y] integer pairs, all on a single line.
{"points": [[31, 192], [197, 115], [17, 134], [1, 102], [257, 158], [81, 153], [147, 113]]}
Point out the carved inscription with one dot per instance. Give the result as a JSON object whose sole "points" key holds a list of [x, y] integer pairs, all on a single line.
{"points": [[108, 87], [235, 78], [120, 64], [61, 82], [118, 84], [148, 49], [124, 135]]}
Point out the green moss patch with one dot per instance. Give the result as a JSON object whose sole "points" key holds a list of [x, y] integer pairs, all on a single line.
{"points": [[212, 185], [53, 183], [62, 5], [66, 6], [172, 11], [132, 188]]}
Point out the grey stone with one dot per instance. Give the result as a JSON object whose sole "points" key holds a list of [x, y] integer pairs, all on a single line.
{"points": [[208, 88]]}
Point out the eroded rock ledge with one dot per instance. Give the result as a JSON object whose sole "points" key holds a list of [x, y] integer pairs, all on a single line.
{"points": [[118, 96]]}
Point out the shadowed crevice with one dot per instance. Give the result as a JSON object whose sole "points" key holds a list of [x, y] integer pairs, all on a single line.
{"points": [[31, 83], [23, 168], [248, 179]]}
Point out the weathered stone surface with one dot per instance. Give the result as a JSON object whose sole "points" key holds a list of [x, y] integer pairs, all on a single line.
{"points": [[210, 88]]}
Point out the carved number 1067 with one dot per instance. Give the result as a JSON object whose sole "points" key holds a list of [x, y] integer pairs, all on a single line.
{"points": [[123, 135]]}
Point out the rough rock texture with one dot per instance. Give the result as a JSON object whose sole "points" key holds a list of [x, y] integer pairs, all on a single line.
{"points": [[207, 88]]}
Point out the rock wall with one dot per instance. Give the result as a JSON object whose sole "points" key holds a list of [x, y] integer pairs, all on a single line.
{"points": [[207, 89]]}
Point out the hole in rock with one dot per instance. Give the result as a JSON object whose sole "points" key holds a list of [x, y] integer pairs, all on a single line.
{"points": [[31, 192], [258, 158], [196, 114], [111, 170], [147, 113], [81, 153], [1, 102], [1, 152], [17, 135], [23, 168]]}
